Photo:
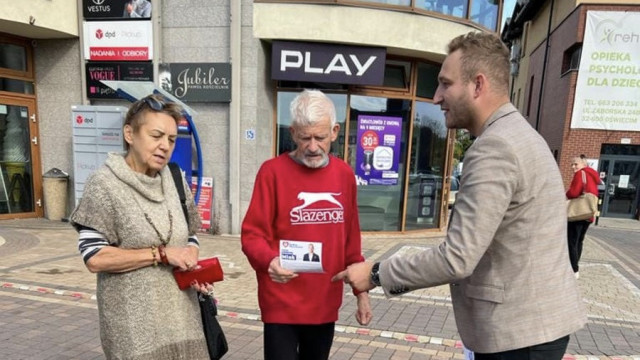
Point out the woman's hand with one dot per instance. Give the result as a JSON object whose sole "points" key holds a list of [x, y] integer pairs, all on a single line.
{"points": [[205, 288], [184, 258]]}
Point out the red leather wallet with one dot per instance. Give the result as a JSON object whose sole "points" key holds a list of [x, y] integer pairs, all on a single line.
{"points": [[207, 271]]}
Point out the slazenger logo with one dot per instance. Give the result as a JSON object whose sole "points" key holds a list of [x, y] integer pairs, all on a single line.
{"points": [[301, 214]]}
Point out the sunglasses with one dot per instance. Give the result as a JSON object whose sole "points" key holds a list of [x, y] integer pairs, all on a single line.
{"points": [[156, 103]]}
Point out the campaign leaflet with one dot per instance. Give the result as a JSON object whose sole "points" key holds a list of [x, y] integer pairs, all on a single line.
{"points": [[301, 256]]}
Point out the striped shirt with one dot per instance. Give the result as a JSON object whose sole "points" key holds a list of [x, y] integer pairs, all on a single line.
{"points": [[91, 241]]}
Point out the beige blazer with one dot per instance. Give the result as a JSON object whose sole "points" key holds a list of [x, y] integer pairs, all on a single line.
{"points": [[505, 255]]}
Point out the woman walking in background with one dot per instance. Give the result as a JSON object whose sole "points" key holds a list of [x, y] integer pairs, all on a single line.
{"points": [[586, 180]]}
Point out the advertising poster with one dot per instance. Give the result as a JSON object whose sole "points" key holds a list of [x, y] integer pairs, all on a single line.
{"points": [[118, 40], [116, 9], [378, 149], [608, 87], [127, 71], [205, 201]]}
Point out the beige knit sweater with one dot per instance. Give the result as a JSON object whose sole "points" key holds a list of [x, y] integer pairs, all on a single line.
{"points": [[143, 314]]}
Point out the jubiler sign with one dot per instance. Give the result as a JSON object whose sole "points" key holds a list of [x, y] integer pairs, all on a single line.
{"points": [[197, 82], [327, 63]]}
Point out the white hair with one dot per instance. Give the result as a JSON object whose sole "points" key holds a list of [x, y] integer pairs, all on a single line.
{"points": [[310, 106]]}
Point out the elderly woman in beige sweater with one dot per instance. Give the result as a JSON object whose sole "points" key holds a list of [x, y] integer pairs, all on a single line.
{"points": [[133, 233]]}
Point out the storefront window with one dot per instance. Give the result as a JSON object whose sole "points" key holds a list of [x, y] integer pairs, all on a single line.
{"points": [[426, 167], [376, 129], [427, 80], [380, 205], [284, 140]]}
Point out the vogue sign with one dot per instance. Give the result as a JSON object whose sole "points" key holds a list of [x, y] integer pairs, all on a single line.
{"points": [[128, 71], [118, 40], [327, 63]]}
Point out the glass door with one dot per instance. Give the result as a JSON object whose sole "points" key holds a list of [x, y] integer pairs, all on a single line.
{"points": [[19, 160], [621, 187]]}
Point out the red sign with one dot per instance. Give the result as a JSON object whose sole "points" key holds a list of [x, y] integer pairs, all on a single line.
{"points": [[204, 203], [119, 53], [369, 140]]}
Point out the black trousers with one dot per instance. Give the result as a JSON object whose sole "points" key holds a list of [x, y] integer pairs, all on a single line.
{"points": [[553, 350], [298, 342], [576, 230]]}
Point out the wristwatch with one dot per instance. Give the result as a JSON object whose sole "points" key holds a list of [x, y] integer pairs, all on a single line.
{"points": [[374, 277]]}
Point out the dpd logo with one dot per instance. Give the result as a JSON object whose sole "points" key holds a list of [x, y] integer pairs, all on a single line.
{"points": [[79, 119], [99, 34]]}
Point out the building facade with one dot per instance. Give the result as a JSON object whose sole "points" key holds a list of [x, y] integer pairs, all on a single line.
{"points": [[378, 61], [574, 63]]}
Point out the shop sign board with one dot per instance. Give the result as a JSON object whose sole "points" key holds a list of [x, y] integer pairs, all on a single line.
{"points": [[328, 63], [124, 70], [378, 149], [118, 40], [197, 82], [607, 95], [116, 9]]}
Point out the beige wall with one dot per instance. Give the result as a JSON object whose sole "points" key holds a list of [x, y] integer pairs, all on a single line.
{"points": [[402, 33], [51, 19]]}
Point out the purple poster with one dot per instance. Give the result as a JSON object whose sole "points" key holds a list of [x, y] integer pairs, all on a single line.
{"points": [[378, 149]]}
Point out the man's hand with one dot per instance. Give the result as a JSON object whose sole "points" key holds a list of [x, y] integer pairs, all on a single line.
{"points": [[364, 315], [357, 275], [278, 273]]}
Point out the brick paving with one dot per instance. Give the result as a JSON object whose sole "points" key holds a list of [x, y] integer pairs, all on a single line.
{"points": [[48, 309]]}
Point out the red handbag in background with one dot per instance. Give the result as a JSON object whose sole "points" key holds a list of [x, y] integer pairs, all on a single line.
{"points": [[207, 271]]}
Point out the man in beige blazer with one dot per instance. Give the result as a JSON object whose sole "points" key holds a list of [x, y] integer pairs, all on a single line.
{"points": [[505, 254]]}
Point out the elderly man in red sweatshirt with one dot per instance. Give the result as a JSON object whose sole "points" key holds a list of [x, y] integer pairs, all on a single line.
{"points": [[304, 197]]}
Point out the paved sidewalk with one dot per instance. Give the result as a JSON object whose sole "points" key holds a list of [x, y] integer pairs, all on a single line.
{"points": [[48, 309]]}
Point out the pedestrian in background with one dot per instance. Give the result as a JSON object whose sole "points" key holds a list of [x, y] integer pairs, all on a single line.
{"points": [[305, 196], [133, 233], [585, 180], [513, 293]]}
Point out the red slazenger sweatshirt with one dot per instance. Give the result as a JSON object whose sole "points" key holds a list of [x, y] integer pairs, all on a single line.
{"points": [[293, 202]]}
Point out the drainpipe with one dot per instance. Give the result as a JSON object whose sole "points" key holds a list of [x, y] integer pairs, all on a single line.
{"points": [[235, 47], [544, 66], [156, 14]]}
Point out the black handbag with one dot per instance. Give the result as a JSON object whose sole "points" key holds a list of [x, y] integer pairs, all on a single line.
{"points": [[216, 341]]}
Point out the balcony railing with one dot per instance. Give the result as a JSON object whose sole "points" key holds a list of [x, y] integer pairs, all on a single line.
{"points": [[484, 13]]}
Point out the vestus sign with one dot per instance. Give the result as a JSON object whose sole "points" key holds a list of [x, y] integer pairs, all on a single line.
{"points": [[197, 82], [295, 61]]}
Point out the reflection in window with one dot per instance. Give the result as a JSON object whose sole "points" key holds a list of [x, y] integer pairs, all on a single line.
{"points": [[389, 2], [485, 13], [457, 8], [426, 167], [285, 141]]}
